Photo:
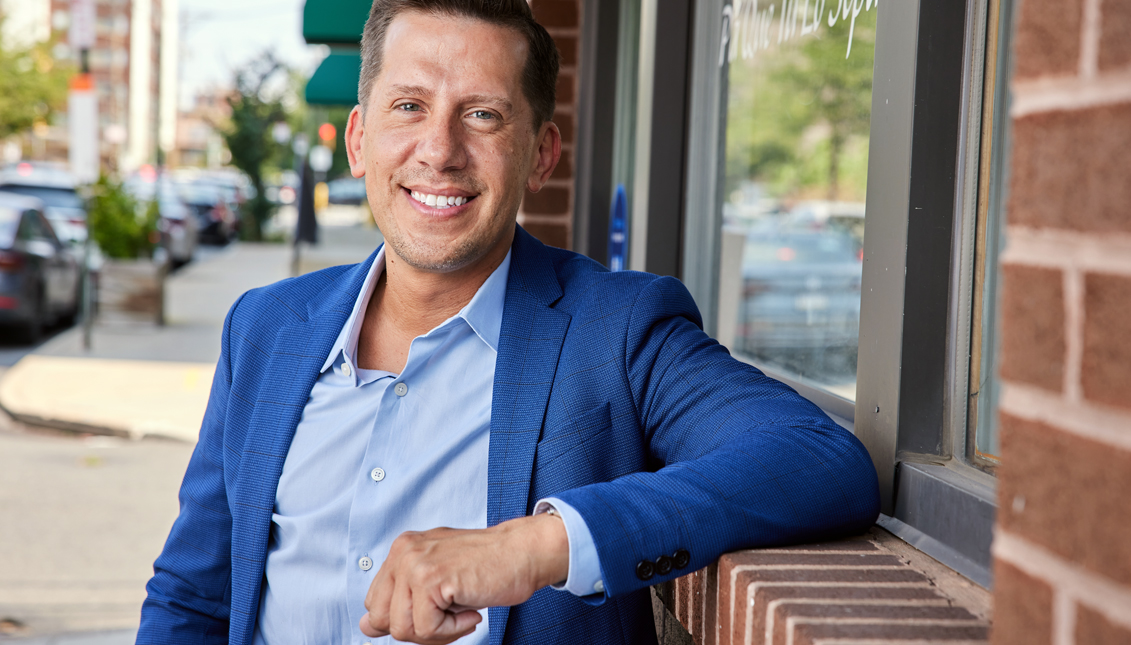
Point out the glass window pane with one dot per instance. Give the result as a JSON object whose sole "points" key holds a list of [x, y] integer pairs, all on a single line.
{"points": [[799, 105]]}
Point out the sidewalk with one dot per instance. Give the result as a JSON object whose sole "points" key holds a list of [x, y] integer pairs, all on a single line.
{"points": [[141, 380]]}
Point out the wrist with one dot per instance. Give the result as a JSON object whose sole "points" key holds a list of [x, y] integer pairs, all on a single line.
{"points": [[544, 539]]}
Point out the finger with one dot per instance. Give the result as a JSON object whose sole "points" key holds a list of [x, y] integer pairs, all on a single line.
{"points": [[463, 623], [377, 600], [400, 611], [368, 629]]}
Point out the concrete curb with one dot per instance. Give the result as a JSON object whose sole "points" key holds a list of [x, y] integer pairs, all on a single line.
{"points": [[125, 398]]}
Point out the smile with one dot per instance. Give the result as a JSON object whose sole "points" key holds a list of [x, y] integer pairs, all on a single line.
{"points": [[439, 201]]}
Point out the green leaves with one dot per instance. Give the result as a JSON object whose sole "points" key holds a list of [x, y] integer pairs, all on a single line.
{"points": [[248, 135], [32, 86], [116, 223]]}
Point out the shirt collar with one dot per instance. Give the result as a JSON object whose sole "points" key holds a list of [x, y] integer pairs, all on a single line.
{"points": [[484, 313]]}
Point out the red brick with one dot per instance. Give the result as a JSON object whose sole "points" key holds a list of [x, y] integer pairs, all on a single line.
{"points": [[1066, 493], [565, 91], [565, 126], [567, 47], [880, 613], [1047, 40], [880, 632], [564, 169], [551, 200], [764, 595], [1022, 608], [1033, 344], [1093, 628], [733, 627], [1070, 170], [1115, 34], [555, 13], [1106, 371], [549, 234]]}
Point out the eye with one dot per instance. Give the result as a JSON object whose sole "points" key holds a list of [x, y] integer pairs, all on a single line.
{"points": [[483, 115], [408, 107]]}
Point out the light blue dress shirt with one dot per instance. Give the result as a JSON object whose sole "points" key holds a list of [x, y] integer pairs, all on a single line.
{"points": [[377, 454]]}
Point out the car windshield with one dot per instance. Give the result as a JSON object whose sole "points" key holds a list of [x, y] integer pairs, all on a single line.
{"points": [[816, 248], [52, 197], [9, 222]]}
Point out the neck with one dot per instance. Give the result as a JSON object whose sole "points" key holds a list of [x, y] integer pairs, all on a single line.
{"points": [[408, 302]]}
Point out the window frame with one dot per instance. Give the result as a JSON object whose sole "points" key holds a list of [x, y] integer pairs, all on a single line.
{"points": [[925, 155]]}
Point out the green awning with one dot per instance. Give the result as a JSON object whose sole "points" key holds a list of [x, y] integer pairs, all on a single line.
{"points": [[334, 21], [335, 80]]}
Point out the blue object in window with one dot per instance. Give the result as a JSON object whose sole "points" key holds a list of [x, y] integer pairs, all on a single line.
{"points": [[618, 230]]}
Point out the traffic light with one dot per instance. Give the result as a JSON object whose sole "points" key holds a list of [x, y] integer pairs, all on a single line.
{"points": [[328, 134]]}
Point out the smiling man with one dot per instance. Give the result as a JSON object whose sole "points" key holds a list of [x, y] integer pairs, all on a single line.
{"points": [[471, 435]]}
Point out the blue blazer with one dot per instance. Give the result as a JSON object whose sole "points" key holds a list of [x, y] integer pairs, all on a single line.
{"points": [[607, 395]]}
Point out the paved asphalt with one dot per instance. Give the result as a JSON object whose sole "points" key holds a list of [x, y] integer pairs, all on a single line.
{"points": [[83, 519]]}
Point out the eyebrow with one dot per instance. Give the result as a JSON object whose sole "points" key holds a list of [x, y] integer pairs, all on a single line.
{"points": [[424, 92]]}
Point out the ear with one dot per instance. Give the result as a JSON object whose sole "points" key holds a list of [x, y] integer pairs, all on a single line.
{"points": [[355, 136], [547, 155]]}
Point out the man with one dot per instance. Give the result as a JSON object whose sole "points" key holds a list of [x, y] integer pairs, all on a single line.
{"points": [[469, 417]]}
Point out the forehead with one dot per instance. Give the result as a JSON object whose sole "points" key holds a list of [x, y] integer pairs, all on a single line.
{"points": [[458, 51]]}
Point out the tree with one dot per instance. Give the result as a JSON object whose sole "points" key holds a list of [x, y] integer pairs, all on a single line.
{"points": [[799, 113], [255, 111], [32, 86]]}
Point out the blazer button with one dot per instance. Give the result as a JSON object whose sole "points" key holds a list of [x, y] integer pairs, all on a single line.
{"points": [[663, 565], [644, 570], [681, 559]]}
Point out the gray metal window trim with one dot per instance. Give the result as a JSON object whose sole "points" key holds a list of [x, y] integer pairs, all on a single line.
{"points": [[913, 368], [706, 154], [594, 153]]}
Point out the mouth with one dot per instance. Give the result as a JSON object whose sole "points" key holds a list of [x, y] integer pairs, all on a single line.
{"points": [[440, 200]]}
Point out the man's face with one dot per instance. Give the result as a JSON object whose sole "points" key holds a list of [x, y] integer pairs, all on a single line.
{"points": [[447, 141]]}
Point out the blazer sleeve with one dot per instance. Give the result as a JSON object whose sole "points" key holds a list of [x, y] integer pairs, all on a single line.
{"points": [[189, 596], [743, 460]]}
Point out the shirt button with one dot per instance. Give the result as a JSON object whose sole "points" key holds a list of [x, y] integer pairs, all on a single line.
{"points": [[377, 474], [365, 564], [400, 388], [599, 587], [346, 369]]}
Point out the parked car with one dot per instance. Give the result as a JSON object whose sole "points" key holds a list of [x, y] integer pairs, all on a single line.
{"points": [[176, 222], [55, 187], [347, 190], [214, 209], [39, 275], [801, 299]]}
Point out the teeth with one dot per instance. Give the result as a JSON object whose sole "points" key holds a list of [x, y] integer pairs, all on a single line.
{"points": [[438, 201]]}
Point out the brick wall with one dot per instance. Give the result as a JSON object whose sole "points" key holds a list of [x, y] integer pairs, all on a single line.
{"points": [[1063, 542], [873, 589], [548, 214]]}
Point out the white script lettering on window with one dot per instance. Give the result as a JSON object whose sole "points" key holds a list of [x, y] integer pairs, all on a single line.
{"points": [[749, 28]]}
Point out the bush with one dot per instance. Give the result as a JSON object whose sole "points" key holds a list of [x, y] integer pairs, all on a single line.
{"points": [[117, 224]]}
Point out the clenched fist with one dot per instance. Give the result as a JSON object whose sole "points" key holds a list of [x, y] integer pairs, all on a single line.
{"points": [[433, 584]]}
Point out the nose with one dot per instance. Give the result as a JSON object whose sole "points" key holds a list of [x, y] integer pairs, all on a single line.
{"points": [[442, 145]]}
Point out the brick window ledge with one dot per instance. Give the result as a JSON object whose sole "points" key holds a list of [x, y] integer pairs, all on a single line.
{"points": [[872, 589]]}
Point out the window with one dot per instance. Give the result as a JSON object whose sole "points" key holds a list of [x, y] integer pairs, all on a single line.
{"points": [[795, 187], [841, 233]]}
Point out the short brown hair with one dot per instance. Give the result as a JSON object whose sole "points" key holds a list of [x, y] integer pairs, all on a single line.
{"points": [[539, 75]]}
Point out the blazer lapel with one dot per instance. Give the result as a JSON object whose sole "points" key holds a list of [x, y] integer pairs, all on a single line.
{"points": [[530, 342], [296, 359]]}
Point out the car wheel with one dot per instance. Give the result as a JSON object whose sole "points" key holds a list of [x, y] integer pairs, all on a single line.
{"points": [[33, 328]]}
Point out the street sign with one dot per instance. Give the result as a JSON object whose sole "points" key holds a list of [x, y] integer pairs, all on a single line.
{"points": [[81, 33], [82, 129]]}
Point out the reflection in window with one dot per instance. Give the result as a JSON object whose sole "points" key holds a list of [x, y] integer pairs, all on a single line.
{"points": [[799, 104]]}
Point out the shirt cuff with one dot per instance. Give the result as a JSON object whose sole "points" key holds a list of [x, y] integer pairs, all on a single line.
{"points": [[584, 578]]}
